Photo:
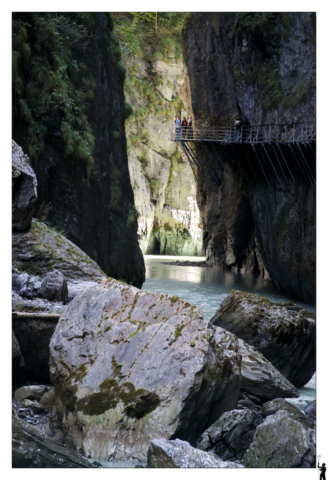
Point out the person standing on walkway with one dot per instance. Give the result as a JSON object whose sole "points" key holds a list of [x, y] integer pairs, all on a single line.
{"points": [[184, 125], [177, 128]]}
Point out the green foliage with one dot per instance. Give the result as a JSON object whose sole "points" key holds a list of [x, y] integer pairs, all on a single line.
{"points": [[133, 214], [255, 23], [50, 80]]}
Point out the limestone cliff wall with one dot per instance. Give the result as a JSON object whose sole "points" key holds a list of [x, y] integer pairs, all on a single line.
{"points": [[161, 177], [262, 68], [93, 206]]}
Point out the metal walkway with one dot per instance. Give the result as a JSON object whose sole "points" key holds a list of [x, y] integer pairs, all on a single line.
{"points": [[281, 151]]}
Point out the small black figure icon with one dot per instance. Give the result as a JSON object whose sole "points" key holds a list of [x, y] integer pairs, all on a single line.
{"points": [[322, 471]]}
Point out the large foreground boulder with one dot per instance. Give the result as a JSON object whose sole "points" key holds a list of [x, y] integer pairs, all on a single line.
{"points": [[284, 333], [281, 442], [260, 378], [179, 454], [24, 192], [129, 366], [230, 436], [33, 449]]}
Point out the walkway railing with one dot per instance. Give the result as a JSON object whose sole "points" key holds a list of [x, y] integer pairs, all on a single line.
{"points": [[281, 133]]}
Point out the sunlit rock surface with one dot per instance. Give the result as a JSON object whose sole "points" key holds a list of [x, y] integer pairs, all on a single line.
{"points": [[130, 366]]}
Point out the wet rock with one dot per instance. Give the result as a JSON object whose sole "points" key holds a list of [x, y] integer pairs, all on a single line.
{"points": [[30, 392], [43, 249], [284, 333], [230, 436], [311, 410], [24, 192], [180, 454], [281, 442], [137, 366], [54, 287], [260, 379], [270, 408], [33, 449]]}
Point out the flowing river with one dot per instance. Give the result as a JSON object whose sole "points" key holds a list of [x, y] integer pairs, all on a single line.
{"points": [[207, 287]]}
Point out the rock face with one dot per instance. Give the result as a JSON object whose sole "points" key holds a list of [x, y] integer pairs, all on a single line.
{"points": [[24, 193], [281, 442], [179, 454], [230, 436], [43, 249], [261, 67], [161, 176], [270, 408], [92, 203], [54, 287], [284, 333], [33, 449], [130, 366], [260, 378]]}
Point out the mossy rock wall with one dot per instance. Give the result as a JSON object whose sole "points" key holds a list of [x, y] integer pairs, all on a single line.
{"points": [[81, 165]]}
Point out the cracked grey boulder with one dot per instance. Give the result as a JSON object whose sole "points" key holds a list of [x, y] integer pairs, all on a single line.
{"points": [[24, 192], [281, 442], [180, 454], [129, 366], [284, 333], [259, 378], [270, 408], [230, 436], [54, 287]]}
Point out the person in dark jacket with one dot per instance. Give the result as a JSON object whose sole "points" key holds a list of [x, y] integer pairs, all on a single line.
{"points": [[184, 125]]}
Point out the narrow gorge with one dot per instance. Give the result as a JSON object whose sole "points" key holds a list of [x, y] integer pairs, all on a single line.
{"points": [[122, 357]]}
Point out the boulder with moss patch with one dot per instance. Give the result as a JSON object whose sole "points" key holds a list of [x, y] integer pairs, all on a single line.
{"points": [[125, 372], [42, 249], [284, 333]]}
